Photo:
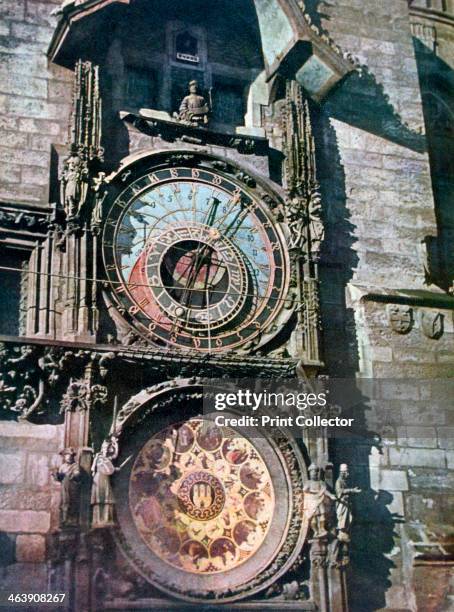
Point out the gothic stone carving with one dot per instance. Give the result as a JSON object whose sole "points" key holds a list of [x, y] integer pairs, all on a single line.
{"points": [[400, 318], [85, 151], [26, 374], [304, 220], [432, 324], [33, 378]]}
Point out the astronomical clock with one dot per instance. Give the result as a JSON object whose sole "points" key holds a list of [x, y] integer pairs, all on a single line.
{"points": [[195, 255], [197, 262], [187, 248]]}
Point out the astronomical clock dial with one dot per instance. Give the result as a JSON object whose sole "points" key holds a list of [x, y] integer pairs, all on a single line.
{"points": [[195, 259], [204, 511]]}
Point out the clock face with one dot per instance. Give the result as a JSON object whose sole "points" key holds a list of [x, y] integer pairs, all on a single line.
{"points": [[195, 259]]}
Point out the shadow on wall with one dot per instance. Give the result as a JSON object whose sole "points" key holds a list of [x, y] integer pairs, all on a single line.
{"points": [[373, 537], [437, 86], [373, 534], [361, 102]]}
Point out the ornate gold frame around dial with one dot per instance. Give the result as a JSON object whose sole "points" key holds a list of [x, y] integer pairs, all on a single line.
{"points": [[161, 406]]}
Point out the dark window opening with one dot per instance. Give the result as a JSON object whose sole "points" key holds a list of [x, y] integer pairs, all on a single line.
{"points": [[13, 293], [187, 48]]}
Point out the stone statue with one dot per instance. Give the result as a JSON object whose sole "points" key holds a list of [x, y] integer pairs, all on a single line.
{"points": [[69, 475], [343, 508], [74, 184], [339, 553], [194, 108], [102, 499], [317, 502]]}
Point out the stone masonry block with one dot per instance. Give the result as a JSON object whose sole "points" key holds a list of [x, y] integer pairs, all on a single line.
{"points": [[450, 458], [414, 436], [413, 457], [11, 429], [27, 521], [11, 468], [37, 472], [30, 548], [388, 480], [446, 438]]}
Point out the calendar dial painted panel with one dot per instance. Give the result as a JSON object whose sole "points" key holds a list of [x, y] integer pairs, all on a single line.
{"points": [[195, 258]]}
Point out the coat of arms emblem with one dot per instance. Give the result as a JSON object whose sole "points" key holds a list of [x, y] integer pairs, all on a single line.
{"points": [[400, 318], [432, 324]]}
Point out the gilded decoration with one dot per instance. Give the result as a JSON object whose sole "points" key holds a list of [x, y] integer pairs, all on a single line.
{"points": [[201, 497]]}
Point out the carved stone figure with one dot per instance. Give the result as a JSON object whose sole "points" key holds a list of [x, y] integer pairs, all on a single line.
{"points": [[194, 108], [317, 502], [99, 187], [102, 498], [343, 508], [339, 546], [69, 475], [316, 226], [76, 397], [74, 184]]}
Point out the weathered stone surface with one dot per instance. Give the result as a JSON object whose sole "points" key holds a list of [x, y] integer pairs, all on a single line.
{"points": [[11, 429], [388, 480], [412, 457], [450, 459], [413, 436], [446, 438], [26, 521], [37, 472], [11, 468], [30, 548], [24, 497], [436, 480]]}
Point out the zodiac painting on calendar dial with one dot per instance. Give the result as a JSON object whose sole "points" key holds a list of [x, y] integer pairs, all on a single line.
{"points": [[195, 259], [201, 497]]}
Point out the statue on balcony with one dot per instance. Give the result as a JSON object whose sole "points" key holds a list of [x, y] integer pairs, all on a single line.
{"points": [[194, 108]]}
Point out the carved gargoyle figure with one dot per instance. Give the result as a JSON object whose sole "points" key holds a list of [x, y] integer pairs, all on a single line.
{"points": [[317, 502], [69, 475], [194, 108], [102, 498], [74, 183], [76, 397]]}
